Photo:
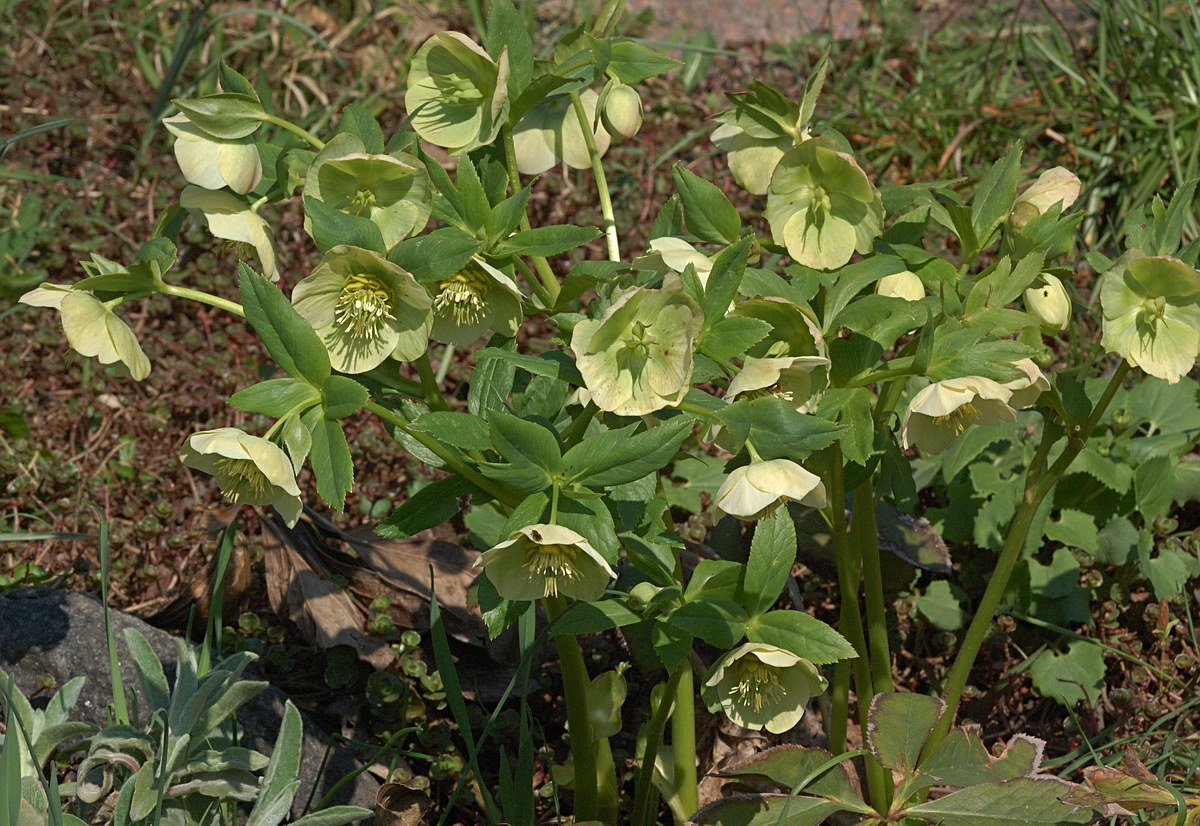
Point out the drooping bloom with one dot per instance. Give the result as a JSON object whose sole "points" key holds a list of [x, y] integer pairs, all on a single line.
{"points": [[751, 490], [1054, 186], [392, 191], [762, 686], [1027, 388], [941, 411], [905, 284], [91, 327], [475, 300], [822, 206], [1049, 303], [674, 254], [794, 329], [250, 470], [752, 159], [789, 378], [211, 162], [365, 309], [550, 133], [621, 109], [637, 358], [546, 561], [457, 95], [231, 218], [1152, 314]]}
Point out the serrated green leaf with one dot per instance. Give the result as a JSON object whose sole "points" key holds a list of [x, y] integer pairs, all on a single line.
{"points": [[706, 211], [617, 457], [343, 397], [766, 810], [802, 634], [1075, 529], [595, 617], [1017, 802], [432, 505], [331, 227], [775, 428], [330, 459], [275, 397], [519, 439], [996, 194], [436, 255], [632, 62], [720, 623], [460, 430], [899, 726], [362, 124], [772, 554], [227, 115], [1152, 483], [546, 241], [492, 380], [728, 267], [731, 337], [290, 340]]}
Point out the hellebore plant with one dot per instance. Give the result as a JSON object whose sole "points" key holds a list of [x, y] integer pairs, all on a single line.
{"points": [[817, 362]]}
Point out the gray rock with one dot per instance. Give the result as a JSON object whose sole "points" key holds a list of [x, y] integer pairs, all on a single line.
{"points": [[60, 635]]}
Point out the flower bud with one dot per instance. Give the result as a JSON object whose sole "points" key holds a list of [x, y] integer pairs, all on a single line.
{"points": [[641, 594], [1049, 304], [1054, 186], [621, 110]]}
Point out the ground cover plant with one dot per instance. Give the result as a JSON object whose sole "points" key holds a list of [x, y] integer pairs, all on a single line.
{"points": [[832, 349]]}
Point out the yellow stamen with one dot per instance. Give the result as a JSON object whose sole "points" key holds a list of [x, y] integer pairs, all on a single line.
{"points": [[959, 419], [552, 562], [363, 305], [240, 480], [462, 295], [757, 684]]}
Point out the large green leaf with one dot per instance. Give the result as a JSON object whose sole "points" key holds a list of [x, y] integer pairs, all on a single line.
{"points": [[775, 428], [289, 339], [430, 506], [706, 211], [900, 724], [330, 461], [1017, 802], [772, 554], [802, 634], [617, 457]]}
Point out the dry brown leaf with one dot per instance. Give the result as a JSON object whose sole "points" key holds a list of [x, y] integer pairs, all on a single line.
{"points": [[400, 805]]}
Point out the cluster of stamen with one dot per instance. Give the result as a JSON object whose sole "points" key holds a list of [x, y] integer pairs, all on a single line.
{"points": [[552, 562], [241, 480], [960, 418], [757, 684], [362, 200], [461, 296], [457, 90], [1153, 309], [362, 306]]}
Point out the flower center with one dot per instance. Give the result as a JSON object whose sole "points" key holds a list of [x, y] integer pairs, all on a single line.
{"points": [[1153, 309], [960, 419], [461, 296], [756, 683], [363, 305], [458, 90], [820, 199], [362, 200], [240, 480], [552, 562]]}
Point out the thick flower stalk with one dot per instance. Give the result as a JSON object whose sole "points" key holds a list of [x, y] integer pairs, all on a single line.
{"points": [[476, 300], [250, 470], [941, 411], [91, 327], [214, 163], [392, 191], [822, 206], [365, 309], [1152, 314], [762, 686], [637, 358], [457, 95], [231, 218], [546, 561], [755, 489]]}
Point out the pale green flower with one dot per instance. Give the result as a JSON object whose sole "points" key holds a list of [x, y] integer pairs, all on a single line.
{"points": [[795, 331], [365, 309], [941, 411], [637, 358], [475, 300], [1049, 303], [546, 561], [822, 206], [1054, 186], [904, 284], [250, 470], [762, 686], [1152, 314], [621, 109], [1029, 387], [789, 378], [211, 162], [231, 218], [457, 95], [550, 133], [92, 328], [390, 190], [752, 159], [751, 490]]}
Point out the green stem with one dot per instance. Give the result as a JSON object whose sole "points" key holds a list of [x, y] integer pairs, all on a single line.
{"points": [[851, 619], [204, 298], [544, 273], [864, 534], [444, 364], [606, 207], [575, 686], [699, 412], [644, 796], [901, 367], [429, 383], [312, 139], [1037, 486], [839, 702], [452, 462], [683, 740]]}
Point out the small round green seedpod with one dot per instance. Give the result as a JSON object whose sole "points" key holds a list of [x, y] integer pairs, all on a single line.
{"points": [[1049, 303], [621, 109]]}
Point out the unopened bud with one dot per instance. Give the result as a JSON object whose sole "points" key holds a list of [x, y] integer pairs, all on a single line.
{"points": [[1049, 304], [1057, 185], [621, 110], [641, 594]]}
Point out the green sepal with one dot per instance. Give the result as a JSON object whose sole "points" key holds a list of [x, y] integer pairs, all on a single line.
{"points": [[275, 397], [227, 115]]}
